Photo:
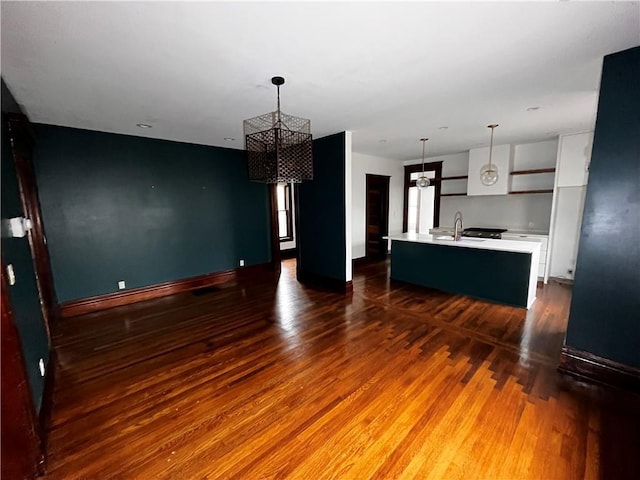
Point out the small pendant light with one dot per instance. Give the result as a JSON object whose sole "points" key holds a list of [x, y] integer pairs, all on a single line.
{"points": [[489, 172], [423, 181]]}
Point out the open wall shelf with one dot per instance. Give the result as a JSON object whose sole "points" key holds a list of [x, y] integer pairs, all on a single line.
{"points": [[522, 192], [535, 170]]}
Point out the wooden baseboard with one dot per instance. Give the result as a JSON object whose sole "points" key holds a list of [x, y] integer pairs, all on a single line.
{"points": [[126, 297], [360, 261], [289, 253], [588, 366], [328, 283]]}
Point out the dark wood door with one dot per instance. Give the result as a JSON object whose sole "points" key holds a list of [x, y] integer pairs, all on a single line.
{"points": [[22, 141], [377, 215], [21, 452]]}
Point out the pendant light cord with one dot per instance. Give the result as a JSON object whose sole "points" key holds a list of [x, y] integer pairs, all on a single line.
{"points": [[490, 145], [278, 120], [424, 143]]}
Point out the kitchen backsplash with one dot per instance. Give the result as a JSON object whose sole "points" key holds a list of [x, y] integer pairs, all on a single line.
{"points": [[514, 212]]}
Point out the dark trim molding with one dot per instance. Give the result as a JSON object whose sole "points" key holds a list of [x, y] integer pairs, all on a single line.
{"points": [[126, 297], [366, 260], [320, 281], [22, 142], [288, 253], [588, 366], [408, 170]]}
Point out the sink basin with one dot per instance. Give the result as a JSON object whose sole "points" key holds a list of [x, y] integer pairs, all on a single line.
{"points": [[463, 239]]}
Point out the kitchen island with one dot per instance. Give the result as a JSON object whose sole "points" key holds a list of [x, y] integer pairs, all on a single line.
{"points": [[501, 271]]}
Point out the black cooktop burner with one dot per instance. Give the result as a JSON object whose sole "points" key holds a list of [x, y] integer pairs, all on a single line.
{"points": [[480, 232]]}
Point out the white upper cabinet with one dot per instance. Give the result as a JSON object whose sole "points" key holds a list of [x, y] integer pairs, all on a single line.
{"points": [[502, 158], [574, 155]]}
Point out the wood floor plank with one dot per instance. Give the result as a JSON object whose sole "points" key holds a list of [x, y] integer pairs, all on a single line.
{"points": [[284, 381]]}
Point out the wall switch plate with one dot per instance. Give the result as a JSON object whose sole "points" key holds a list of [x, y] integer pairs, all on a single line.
{"points": [[41, 366], [11, 274], [121, 285], [242, 263]]}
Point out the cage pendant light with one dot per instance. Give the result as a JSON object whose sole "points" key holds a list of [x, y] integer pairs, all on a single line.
{"points": [[422, 181], [279, 146], [489, 172]]}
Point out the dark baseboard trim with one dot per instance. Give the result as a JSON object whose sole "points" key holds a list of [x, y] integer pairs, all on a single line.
{"points": [[320, 281], [588, 366], [126, 297], [289, 253], [360, 261], [366, 260]]}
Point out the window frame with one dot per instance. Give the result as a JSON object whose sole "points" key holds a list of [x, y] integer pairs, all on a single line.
{"points": [[408, 183], [288, 201]]}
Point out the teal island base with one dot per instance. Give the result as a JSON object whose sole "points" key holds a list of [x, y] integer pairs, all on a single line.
{"points": [[496, 270]]}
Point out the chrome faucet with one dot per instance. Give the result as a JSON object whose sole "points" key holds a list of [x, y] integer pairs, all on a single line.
{"points": [[457, 232]]}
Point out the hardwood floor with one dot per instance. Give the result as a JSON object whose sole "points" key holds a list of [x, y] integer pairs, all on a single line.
{"points": [[395, 381]]}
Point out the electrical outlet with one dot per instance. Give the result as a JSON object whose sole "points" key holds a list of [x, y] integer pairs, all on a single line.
{"points": [[121, 285], [242, 263], [41, 365]]}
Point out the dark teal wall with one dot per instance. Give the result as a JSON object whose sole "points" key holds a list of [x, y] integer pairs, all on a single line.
{"points": [[145, 211], [24, 295], [605, 308], [321, 228]]}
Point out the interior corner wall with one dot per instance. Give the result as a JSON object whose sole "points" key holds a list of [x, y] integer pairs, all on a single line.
{"points": [[368, 164], [146, 211], [604, 318], [322, 248], [24, 295]]}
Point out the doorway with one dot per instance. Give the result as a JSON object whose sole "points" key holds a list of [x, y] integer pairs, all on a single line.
{"points": [[377, 216]]}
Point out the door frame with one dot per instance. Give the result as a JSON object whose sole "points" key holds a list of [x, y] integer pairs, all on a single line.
{"points": [[22, 142], [384, 180], [437, 183]]}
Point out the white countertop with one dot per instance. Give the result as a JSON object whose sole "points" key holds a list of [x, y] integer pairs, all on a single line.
{"points": [[534, 233], [468, 242]]}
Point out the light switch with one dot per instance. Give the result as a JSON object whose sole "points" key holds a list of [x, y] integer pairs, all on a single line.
{"points": [[11, 274]]}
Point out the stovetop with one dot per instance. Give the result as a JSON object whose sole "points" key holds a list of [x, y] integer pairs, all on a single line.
{"points": [[481, 232]]}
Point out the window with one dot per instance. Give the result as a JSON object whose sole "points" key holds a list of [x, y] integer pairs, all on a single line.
{"points": [[421, 207], [285, 220]]}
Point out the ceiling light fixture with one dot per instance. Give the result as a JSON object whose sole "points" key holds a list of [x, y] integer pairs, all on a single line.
{"points": [[279, 146], [422, 181], [144, 125], [532, 109], [229, 139], [489, 172], [443, 128]]}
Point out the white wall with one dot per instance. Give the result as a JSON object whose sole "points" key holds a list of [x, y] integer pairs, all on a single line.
{"points": [[362, 164], [348, 203]]}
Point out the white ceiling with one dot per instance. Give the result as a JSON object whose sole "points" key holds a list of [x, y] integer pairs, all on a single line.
{"points": [[392, 71]]}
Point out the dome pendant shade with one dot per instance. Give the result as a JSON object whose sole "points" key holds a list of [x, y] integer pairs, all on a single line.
{"points": [[489, 175], [489, 172], [422, 181]]}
